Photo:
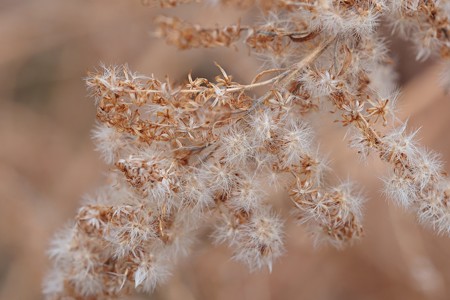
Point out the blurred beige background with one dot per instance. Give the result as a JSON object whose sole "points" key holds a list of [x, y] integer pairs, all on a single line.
{"points": [[47, 160]]}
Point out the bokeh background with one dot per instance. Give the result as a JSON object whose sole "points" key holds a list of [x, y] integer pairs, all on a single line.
{"points": [[47, 159]]}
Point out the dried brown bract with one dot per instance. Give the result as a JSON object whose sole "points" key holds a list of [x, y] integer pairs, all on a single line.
{"points": [[185, 36]]}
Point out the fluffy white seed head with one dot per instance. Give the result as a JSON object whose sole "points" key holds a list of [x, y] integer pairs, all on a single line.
{"points": [[352, 199], [399, 144], [401, 190], [61, 244], [150, 272], [54, 283], [262, 126], [332, 217], [335, 21], [108, 142], [196, 194], [248, 193], [236, 146], [319, 84], [433, 210], [295, 139], [255, 237], [260, 242], [217, 177], [426, 168], [361, 144]]}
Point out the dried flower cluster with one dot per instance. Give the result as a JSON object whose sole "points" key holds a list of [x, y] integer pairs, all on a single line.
{"points": [[201, 152]]}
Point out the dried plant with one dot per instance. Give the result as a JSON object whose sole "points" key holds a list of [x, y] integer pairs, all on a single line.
{"points": [[201, 152]]}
